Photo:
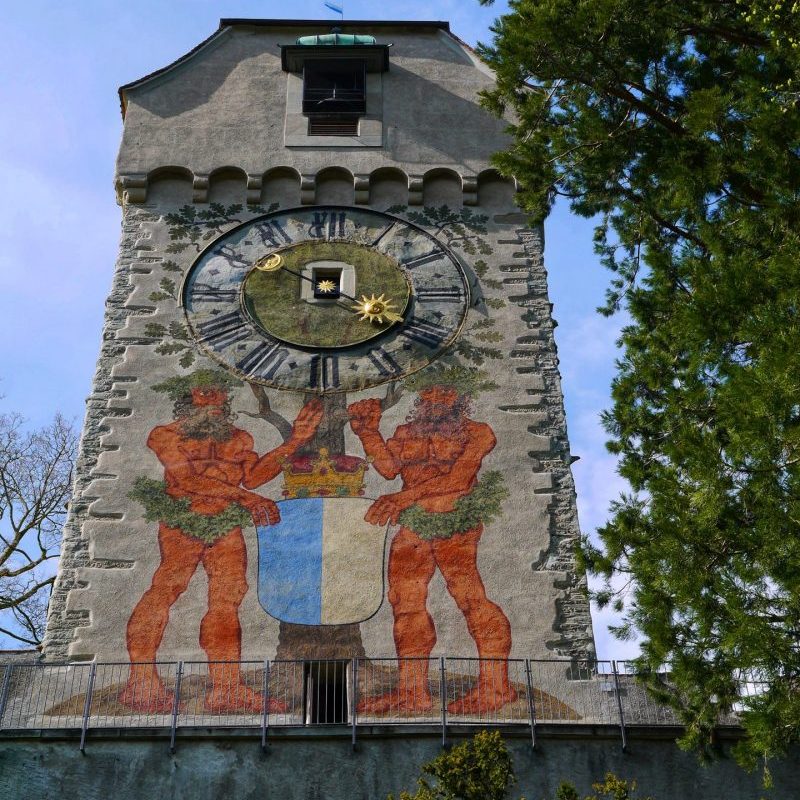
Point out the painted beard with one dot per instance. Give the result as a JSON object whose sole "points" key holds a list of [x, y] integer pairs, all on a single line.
{"points": [[428, 418], [207, 426]]}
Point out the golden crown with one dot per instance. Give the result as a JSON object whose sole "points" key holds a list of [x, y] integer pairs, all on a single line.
{"points": [[323, 476]]}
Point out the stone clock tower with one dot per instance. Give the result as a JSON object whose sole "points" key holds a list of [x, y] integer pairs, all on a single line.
{"points": [[327, 418]]}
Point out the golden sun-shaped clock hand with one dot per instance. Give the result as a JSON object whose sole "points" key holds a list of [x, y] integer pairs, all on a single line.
{"points": [[376, 309]]}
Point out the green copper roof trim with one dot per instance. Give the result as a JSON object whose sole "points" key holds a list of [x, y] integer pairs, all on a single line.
{"points": [[333, 39]]}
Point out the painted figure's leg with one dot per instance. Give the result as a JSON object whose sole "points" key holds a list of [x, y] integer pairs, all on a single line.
{"points": [[180, 555], [225, 563], [411, 568], [456, 557]]}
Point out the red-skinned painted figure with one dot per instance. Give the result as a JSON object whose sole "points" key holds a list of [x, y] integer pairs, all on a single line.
{"points": [[210, 462], [438, 455]]}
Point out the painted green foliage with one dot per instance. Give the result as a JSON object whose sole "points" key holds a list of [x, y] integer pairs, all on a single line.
{"points": [[677, 126], [190, 227], [459, 368], [462, 228], [176, 512], [481, 505]]}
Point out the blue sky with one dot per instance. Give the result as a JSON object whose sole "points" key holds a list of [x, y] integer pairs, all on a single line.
{"points": [[59, 131]]}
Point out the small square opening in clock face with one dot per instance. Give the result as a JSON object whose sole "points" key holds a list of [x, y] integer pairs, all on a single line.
{"points": [[327, 283]]}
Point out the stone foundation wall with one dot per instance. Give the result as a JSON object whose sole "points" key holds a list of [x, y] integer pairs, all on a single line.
{"points": [[309, 766]]}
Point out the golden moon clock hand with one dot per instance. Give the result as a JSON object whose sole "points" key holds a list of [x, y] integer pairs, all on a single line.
{"points": [[371, 309]]}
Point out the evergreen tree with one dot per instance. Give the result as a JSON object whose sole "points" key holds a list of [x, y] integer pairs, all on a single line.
{"points": [[677, 125]]}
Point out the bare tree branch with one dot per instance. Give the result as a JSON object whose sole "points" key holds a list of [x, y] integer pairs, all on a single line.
{"points": [[35, 485]]}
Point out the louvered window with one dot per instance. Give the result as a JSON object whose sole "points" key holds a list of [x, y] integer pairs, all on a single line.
{"points": [[324, 125]]}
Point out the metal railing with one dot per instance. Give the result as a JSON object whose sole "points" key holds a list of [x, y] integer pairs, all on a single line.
{"points": [[353, 692]]}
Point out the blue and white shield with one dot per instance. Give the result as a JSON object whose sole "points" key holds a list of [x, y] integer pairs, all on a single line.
{"points": [[322, 564]]}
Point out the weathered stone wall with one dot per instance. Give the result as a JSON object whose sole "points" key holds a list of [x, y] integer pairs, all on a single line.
{"points": [[308, 767]]}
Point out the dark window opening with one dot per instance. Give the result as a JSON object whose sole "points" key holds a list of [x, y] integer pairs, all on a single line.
{"points": [[326, 692], [332, 86]]}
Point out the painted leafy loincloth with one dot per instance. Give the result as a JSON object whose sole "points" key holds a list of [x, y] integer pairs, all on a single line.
{"points": [[481, 505], [175, 512]]}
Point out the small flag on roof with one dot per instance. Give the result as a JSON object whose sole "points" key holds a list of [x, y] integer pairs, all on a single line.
{"points": [[337, 9]]}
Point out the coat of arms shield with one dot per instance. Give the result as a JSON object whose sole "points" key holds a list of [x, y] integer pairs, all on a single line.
{"points": [[322, 564]]}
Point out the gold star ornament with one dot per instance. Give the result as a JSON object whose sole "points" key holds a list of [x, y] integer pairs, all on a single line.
{"points": [[326, 287], [376, 309]]}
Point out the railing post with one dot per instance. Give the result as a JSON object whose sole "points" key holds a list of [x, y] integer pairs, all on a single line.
{"points": [[619, 708], [354, 672], [531, 704], [304, 695], [265, 709], [443, 698], [87, 707], [175, 706], [5, 691]]}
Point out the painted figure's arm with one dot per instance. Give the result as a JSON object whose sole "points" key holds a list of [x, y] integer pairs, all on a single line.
{"points": [[365, 420], [258, 471], [182, 472], [456, 483]]}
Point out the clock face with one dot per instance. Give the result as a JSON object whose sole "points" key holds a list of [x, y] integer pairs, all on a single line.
{"points": [[325, 299]]}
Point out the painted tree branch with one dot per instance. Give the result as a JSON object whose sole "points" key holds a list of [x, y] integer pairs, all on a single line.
{"points": [[268, 414]]}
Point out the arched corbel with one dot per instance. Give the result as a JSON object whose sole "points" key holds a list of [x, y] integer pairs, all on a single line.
{"points": [[200, 189], [308, 188], [254, 184], [131, 188], [469, 187], [415, 190], [361, 187]]}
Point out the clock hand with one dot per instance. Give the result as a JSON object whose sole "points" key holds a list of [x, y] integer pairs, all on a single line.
{"points": [[274, 263], [372, 309]]}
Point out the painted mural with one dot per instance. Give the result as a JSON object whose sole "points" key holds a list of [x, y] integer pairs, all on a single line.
{"points": [[441, 510], [210, 470], [312, 527]]}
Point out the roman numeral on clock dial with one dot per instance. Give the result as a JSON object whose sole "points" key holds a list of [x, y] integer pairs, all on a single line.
{"points": [[273, 233], [384, 362], [441, 294], [324, 372], [427, 258], [210, 294], [377, 240], [263, 360], [234, 258], [328, 225], [224, 330], [428, 333]]}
